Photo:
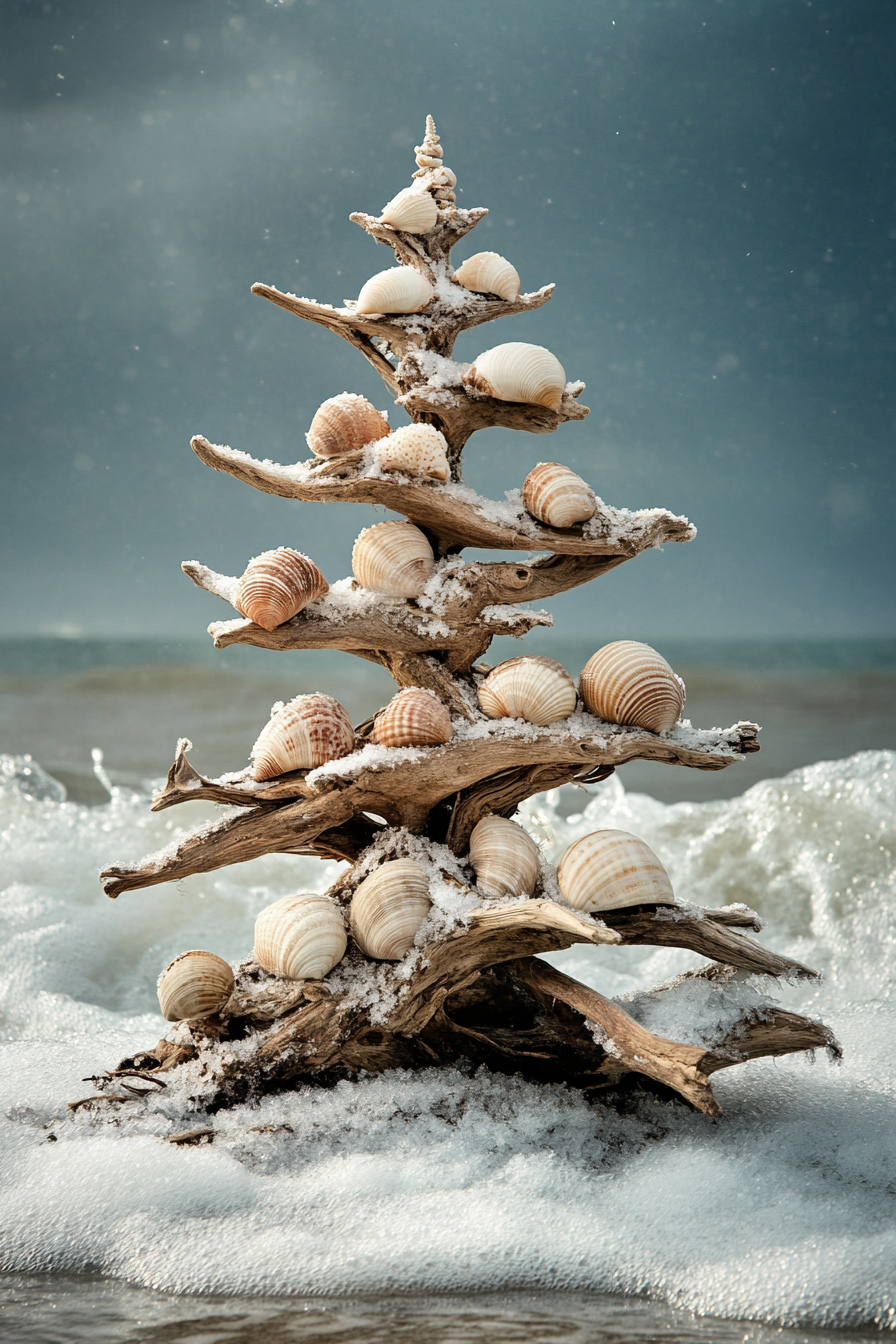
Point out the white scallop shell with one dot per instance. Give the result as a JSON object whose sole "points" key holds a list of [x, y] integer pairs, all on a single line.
{"points": [[344, 424], [416, 450], [301, 735], [412, 210], [415, 717], [276, 585], [537, 689], [519, 372], [489, 273], [195, 984], [504, 858], [301, 937], [401, 289], [608, 870], [388, 908], [555, 495], [393, 558], [629, 682]]}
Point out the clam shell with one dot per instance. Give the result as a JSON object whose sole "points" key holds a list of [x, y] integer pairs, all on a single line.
{"points": [[504, 858], [417, 450], [608, 870], [305, 733], [413, 718], [393, 558], [344, 424], [388, 908], [489, 273], [301, 937], [629, 682], [537, 689], [195, 984], [401, 289], [412, 210], [557, 496], [519, 372], [276, 585]]}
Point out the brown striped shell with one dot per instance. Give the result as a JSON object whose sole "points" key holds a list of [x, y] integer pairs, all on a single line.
{"points": [[195, 984], [276, 585], [306, 733], [416, 450], [301, 937], [415, 717], [555, 495], [401, 289], [537, 689], [629, 682], [413, 210], [608, 870], [388, 908], [519, 372], [504, 857], [345, 424], [489, 273], [393, 558]]}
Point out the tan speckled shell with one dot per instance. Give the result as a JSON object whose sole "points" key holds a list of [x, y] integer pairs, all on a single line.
{"points": [[344, 424], [306, 733], [489, 273], [537, 689], [416, 450], [394, 559], [401, 289], [629, 682], [608, 870], [504, 858], [413, 718], [519, 372], [301, 937], [555, 495], [388, 908], [276, 585], [413, 210], [195, 984]]}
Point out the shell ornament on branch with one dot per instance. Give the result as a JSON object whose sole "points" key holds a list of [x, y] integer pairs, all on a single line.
{"points": [[415, 450], [413, 210], [519, 372], [608, 870], [194, 985], [489, 273], [394, 559], [537, 689], [415, 717], [276, 585], [303, 734], [401, 289], [555, 495], [505, 858], [388, 908], [301, 937], [345, 424], [431, 171], [629, 682]]}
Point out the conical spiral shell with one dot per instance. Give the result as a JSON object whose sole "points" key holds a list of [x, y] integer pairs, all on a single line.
{"points": [[393, 558], [276, 585], [413, 210], [306, 733], [537, 689], [504, 858], [301, 937], [431, 171], [519, 372], [401, 289], [608, 870], [557, 496], [195, 984], [388, 908], [629, 682], [413, 718], [489, 273], [345, 424], [416, 450], [429, 154]]}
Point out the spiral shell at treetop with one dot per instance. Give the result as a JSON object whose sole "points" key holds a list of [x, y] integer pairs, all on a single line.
{"points": [[276, 585], [519, 372], [301, 735], [195, 984], [504, 857], [401, 289], [416, 450], [388, 908], [301, 937], [608, 870], [413, 210], [629, 682], [431, 171], [555, 495], [534, 688], [415, 717], [489, 273], [393, 558], [345, 424]]}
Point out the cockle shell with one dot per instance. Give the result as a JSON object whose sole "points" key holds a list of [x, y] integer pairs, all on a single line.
{"points": [[388, 908], [393, 558], [504, 858], [415, 717], [412, 210], [195, 984], [276, 585], [629, 682], [344, 424], [489, 273], [416, 450], [301, 735], [537, 689], [555, 495], [519, 372], [401, 289], [301, 937], [608, 870]]}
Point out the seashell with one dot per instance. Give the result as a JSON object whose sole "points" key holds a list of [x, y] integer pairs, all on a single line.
{"points": [[431, 171], [388, 908], [519, 372], [537, 689], [413, 718], [301, 735], [393, 558], [417, 450], [301, 937], [555, 495], [401, 289], [344, 424], [629, 682], [489, 273], [195, 984], [608, 870], [412, 210], [504, 857], [276, 585]]}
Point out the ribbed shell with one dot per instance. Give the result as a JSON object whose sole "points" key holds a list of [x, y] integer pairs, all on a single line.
{"points": [[301, 937], [519, 372], [417, 450], [504, 858], [393, 558], [629, 682], [388, 908], [413, 718], [276, 585], [555, 495], [412, 210], [489, 273], [344, 424], [195, 984], [608, 870], [537, 689], [305, 733], [401, 289]]}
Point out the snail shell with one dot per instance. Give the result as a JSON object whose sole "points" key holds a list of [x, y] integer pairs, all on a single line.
{"points": [[537, 689], [393, 558], [344, 424], [276, 585], [413, 718], [417, 450], [607, 870], [431, 171], [519, 372], [555, 495], [305, 733], [412, 210], [504, 858], [401, 289], [629, 682], [195, 984], [489, 273], [388, 908], [301, 937]]}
